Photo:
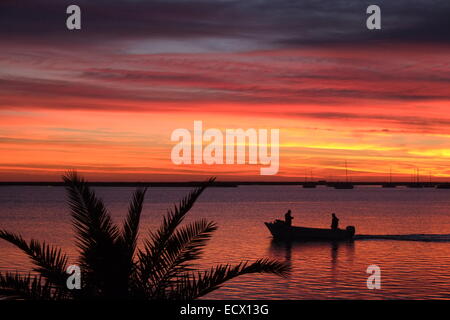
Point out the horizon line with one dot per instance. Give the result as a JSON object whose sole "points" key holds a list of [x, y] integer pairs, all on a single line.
{"points": [[220, 183]]}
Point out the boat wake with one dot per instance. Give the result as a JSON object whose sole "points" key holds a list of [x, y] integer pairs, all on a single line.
{"points": [[406, 237]]}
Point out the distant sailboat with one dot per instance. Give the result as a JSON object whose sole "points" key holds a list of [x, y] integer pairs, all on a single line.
{"points": [[390, 184], [429, 184], [416, 184], [346, 184], [309, 184]]}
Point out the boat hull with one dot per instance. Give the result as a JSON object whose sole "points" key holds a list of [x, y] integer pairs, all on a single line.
{"points": [[281, 231]]}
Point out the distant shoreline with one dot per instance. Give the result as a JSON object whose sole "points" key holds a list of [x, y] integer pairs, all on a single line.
{"points": [[225, 184]]}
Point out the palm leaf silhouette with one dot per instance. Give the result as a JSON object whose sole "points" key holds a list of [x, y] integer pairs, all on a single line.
{"points": [[160, 252], [49, 261], [112, 265], [16, 286], [197, 285]]}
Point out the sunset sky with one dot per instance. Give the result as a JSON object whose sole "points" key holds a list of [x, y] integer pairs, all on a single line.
{"points": [[104, 100]]}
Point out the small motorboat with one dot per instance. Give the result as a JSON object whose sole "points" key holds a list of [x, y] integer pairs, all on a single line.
{"points": [[281, 231]]}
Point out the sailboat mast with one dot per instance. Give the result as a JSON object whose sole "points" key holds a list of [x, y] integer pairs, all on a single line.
{"points": [[390, 174], [346, 172]]}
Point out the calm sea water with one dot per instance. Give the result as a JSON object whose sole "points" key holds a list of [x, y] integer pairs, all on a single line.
{"points": [[409, 269]]}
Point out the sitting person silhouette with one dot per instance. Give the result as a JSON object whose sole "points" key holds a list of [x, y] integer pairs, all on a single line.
{"points": [[288, 218], [334, 222]]}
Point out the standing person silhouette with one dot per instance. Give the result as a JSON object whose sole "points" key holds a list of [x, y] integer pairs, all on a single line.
{"points": [[334, 222], [288, 218]]}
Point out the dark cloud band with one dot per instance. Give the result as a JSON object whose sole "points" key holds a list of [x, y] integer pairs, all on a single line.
{"points": [[278, 23]]}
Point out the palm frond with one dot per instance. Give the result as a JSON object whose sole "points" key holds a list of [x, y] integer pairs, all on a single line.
{"points": [[152, 254], [90, 217], [18, 287], [126, 243], [187, 243], [49, 261], [129, 233], [183, 247], [97, 237], [194, 286]]}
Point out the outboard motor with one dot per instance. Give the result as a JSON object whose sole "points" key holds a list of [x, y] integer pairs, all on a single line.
{"points": [[351, 230]]}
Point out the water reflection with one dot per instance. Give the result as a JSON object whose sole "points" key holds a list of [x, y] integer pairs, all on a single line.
{"points": [[414, 269], [285, 250]]}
